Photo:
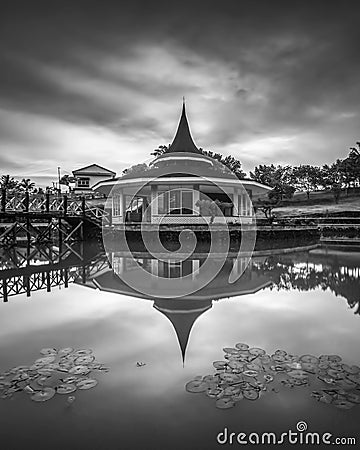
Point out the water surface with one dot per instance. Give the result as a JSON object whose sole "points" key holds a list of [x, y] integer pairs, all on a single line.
{"points": [[303, 303]]}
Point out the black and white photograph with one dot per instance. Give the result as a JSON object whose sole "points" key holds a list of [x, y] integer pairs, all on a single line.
{"points": [[179, 224]]}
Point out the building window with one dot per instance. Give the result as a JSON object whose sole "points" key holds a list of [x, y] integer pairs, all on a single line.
{"points": [[117, 205], [175, 269], [175, 201], [83, 182]]}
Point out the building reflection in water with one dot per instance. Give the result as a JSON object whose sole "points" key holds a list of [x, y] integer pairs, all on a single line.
{"points": [[27, 270]]}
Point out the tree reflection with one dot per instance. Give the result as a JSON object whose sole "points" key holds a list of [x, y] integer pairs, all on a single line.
{"points": [[309, 273]]}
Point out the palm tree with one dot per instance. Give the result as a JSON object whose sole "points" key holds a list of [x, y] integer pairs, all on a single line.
{"points": [[27, 185], [7, 182]]}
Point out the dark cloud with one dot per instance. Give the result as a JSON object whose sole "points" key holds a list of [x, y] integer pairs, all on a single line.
{"points": [[253, 70]]}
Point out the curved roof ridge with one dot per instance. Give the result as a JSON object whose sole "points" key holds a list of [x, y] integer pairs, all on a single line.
{"points": [[183, 142]]}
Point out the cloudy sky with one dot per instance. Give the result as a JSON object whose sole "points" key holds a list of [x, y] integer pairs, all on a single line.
{"points": [[98, 81]]}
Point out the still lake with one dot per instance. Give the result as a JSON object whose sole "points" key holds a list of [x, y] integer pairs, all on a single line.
{"points": [[304, 303]]}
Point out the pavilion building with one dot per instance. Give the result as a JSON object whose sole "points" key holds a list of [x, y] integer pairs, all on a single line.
{"points": [[173, 189]]}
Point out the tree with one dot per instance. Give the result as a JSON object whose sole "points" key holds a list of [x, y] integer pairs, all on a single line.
{"points": [[332, 174], [280, 178], [229, 161], [160, 150], [267, 206], [27, 185], [333, 178], [67, 179], [233, 164], [307, 178], [264, 174], [137, 168], [7, 182], [350, 167]]}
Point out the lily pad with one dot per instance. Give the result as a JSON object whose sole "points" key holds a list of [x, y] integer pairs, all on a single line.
{"points": [[196, 386], [298, 374], [353, 397], [41, 381], [350, 369], [250, 373], [231, 350], [268, 378], [251, 394], [211, 378], [86, 383], [48, 351], [225, 403], [45, 360], [335, 374], [254, 366], [309, 359], [256, 351], [343, 404], [214, 392], [82, 352], [278, 358], [220, 364], [65, 388], [265, 359], [355, 378], [83, 360], [70, 379], [309, 367], [45, 372], [79, 370], [242, 347], [334, 358], [65, 351], [230, 377], [45, 394], [236, 365], [237, 396]]}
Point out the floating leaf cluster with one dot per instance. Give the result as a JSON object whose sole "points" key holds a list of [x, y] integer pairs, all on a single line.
{"points": [[247, 373], [60, 372]]}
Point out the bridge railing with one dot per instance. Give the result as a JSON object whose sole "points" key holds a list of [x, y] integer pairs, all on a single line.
{"points": [[26, 202]]}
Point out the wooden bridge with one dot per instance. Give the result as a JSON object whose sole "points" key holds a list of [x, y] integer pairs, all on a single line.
{"points": [[25, 270], [47, 218]]}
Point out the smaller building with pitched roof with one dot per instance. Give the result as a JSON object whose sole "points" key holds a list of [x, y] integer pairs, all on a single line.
{"points": [[89, 176]]}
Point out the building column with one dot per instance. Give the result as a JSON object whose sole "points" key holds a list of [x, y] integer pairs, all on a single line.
{"points": [[196, 197], [154, 209], [122, 206], [236, 209], [155, 267], [195, 268]]}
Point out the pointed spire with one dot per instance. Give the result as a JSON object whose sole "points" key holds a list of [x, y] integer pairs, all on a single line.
{"points": [[182, 314], [183, 141]]}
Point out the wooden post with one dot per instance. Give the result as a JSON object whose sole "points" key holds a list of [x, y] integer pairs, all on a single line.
{"points": [[65, 204], [66, 277], [5, 291], [28, 235], [60, 235], [47, 202], [83, 206], [48, 282], [3, 200], [27, 284], [27, 201]]}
